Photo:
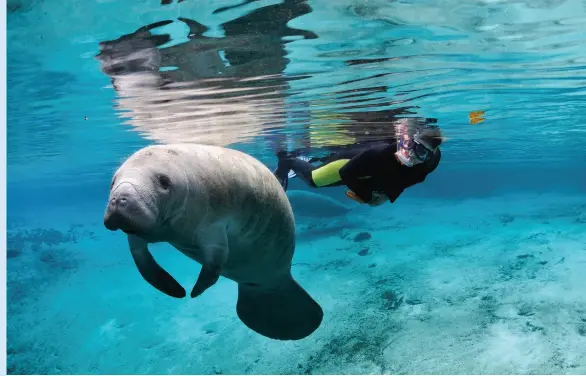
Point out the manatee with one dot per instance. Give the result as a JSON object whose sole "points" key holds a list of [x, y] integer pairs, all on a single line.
{"points": [[225, 210]]}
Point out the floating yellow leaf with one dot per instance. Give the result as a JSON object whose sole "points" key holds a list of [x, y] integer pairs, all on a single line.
{"points": [[476, 117]]}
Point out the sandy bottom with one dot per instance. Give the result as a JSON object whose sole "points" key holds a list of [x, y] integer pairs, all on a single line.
{"points": [[490, 286]]}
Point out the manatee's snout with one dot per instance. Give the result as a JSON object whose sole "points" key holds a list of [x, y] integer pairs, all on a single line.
{"points": [[126, 211], [115, 217]]}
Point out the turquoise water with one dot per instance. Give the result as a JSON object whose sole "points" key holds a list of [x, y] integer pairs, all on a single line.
{"points": [[477, 270]]}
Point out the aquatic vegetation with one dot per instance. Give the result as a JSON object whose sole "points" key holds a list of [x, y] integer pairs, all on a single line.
{"points": [[38, 257]]}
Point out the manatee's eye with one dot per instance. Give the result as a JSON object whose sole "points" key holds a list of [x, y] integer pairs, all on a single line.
{"points": [[164, 181]]}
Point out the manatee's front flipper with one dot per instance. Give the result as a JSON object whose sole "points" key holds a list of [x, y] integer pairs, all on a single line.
{"points": [[214, 246], [152, 272], [284, 311], [206, 279]]}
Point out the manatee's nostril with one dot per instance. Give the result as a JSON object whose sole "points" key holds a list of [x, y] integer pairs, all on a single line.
{"points": [[119, 202]]}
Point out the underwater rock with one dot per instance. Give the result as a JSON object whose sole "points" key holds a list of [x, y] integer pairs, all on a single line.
{"points": [[333, 265], [582, 330], [535, 328], [539, 238], [372, 265], [360, 237], [522, 266], [413, 301], [489, 306], [309, 204], [391, 300], [525, 310], [210, 328], [363, 252], [505, 219]]}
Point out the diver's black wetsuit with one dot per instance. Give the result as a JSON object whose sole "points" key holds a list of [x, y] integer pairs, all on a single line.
{"points": [[372, 167]]}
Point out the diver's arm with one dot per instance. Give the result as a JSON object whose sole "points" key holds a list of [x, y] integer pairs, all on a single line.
{"points": [[351, 172], [393, 192], [415, 175]]}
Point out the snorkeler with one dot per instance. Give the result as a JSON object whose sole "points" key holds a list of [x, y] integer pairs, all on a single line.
{"points": [[374, 172]]}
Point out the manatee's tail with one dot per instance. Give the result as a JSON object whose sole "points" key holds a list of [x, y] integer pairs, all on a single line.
{"points": [[283, 312]]}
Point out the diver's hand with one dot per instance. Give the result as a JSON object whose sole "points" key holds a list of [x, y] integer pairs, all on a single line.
{"points": [[351, 195], [378, 199]]}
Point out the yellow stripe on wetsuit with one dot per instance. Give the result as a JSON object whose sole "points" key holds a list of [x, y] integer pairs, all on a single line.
{"points": [[330, 173]]}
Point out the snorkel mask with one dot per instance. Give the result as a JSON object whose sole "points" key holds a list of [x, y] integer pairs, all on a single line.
{"points": [[412, 151]]}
